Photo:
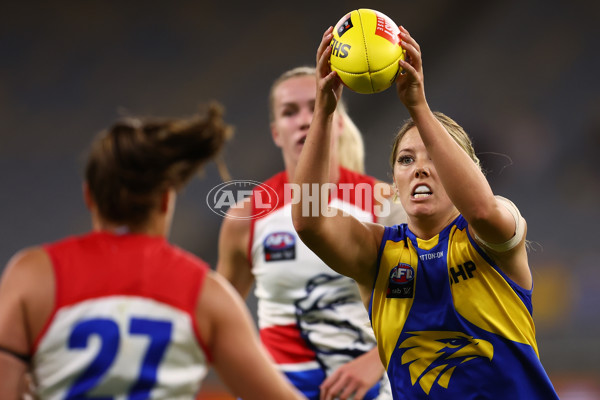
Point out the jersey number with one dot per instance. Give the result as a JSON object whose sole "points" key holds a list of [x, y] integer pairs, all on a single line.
{"points": [[159, 333]]}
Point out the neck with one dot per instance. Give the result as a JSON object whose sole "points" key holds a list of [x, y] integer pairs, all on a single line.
{"points": [[426, 227], [153, 227]]}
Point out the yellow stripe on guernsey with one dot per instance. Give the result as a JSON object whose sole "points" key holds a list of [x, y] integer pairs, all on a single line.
{"points": [[388, 319], [498, 309]]}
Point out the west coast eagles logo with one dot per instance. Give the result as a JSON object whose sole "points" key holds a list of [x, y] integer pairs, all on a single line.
{"points": [[434, 355]]}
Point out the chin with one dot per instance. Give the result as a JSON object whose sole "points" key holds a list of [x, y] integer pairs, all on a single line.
{"points": [[420, 211]]}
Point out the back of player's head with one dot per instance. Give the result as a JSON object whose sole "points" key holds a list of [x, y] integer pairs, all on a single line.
{"points": [[133, 162]]}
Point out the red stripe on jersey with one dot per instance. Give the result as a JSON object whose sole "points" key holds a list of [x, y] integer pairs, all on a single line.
{"points": [[286, 345]]}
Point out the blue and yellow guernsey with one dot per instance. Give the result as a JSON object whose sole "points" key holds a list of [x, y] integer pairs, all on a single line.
{"points": [[450, 324]]}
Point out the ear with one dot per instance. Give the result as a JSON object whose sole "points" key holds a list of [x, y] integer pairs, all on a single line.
{"points": [[275, 135], [167, 200], [87, 196], [164, 201]]}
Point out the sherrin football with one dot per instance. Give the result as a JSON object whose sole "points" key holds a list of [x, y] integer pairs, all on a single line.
{"points": [[366, 50]]}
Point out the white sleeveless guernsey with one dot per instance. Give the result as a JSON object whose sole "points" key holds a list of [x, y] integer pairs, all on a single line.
{"points": [[311, 318]]}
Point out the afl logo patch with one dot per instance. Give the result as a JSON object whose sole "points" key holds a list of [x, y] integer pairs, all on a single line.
{"points": [[402, 282], [279, 246], [344, 26]]}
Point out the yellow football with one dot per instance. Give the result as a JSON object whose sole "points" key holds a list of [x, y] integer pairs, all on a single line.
{"points": [[366, 50]]}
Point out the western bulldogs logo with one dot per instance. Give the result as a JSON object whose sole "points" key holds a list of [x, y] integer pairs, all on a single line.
{"points": [[280, 246], [402, 282], [332, 304]]}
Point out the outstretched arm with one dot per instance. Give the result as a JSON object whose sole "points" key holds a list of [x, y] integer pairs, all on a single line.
{"points": [[464, 182], [341, 241]]}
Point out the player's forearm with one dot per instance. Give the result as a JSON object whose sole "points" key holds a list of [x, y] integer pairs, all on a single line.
{"points": [[312, 173], [463, 180]]}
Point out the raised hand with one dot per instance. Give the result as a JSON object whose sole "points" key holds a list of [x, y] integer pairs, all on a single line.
{"points": [[329, 85], [409, 83]]}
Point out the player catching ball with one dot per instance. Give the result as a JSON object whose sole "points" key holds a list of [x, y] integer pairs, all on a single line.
{"points": [[449, 292]]}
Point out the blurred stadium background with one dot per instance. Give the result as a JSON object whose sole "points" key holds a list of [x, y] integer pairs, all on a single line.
{"points": [[520, 76]]}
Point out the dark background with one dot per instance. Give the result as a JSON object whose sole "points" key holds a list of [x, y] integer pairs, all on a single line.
{"points": [[520, 76]]}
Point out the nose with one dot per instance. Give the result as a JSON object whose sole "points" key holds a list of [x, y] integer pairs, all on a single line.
{"points": [[421, 172], [306, 116]]}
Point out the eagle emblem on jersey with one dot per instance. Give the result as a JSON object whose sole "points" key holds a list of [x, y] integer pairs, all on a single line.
{"points": [[434, 355]]}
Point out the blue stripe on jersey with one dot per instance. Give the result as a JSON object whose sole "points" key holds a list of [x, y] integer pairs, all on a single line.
{"points": [[308, 383]]}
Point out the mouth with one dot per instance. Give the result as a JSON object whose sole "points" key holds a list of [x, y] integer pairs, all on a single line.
{"points": [[301, 141], [421, 192]]}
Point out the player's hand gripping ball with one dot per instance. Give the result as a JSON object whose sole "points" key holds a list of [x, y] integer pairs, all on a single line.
{"points": [[365, 51]]}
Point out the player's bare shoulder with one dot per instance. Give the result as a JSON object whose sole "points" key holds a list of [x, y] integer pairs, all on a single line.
{"points": [[29, 265]]}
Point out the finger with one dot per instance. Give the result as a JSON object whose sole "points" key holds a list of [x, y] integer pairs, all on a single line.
{"points": [[324, 69], [339, 86], [330, 387], [414, 55], [324, 389], [406, 38], [346, 391], [407, 70], [333, 392], [405, 34], [360, 392], [324, 52], [325, 42], [331, 82]]}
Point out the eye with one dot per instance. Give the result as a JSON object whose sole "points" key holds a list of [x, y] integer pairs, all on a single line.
{"points": [[288, 112], [405, 160]]}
